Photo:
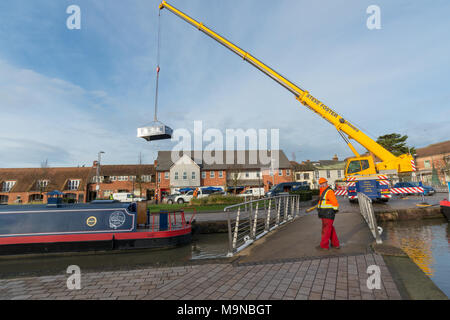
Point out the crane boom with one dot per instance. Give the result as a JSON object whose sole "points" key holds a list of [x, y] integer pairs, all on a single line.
{"points": [[389, 161]]}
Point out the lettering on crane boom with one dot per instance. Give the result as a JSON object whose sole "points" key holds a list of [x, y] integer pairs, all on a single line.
{"points": [[329, 110]]}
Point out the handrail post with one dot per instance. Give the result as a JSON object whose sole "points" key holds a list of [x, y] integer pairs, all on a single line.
{"points": [[230, 240], [255, 221], [236, 229], [268, 216]]}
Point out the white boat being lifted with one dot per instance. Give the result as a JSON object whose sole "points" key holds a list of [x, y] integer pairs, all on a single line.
{"points": [[155, 131]]}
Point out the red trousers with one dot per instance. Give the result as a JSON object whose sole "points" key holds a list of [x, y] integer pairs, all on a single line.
{"points": [[328, 233]]}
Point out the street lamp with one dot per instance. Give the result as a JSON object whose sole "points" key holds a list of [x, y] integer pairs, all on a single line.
{"points": [[97, 188]]}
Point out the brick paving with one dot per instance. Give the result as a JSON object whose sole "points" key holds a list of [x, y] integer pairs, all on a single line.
{"points": [[335, 278]]}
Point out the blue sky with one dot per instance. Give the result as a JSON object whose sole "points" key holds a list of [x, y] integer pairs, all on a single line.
{"points": [[67, 94]]}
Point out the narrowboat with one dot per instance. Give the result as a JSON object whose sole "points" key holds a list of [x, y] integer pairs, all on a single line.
{"points": [[99, 225], [445, 208]]}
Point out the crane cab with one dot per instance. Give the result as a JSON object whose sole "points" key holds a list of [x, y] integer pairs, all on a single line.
{"points": [[360, 166], [155, 131]]}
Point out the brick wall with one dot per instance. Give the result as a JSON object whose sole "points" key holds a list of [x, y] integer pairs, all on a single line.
{"points": [[216, 181]]}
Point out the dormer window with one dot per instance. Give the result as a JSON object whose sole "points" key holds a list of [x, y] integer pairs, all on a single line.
{"points": [[73, 184], [8, 185]]}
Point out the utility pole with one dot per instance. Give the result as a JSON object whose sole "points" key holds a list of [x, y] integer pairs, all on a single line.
{"points": [[97, 188]]}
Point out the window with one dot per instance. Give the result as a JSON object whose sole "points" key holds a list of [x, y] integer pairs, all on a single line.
{"points": [[211, 174], [220, 174], [306, 176], [328, 174], [166, 175], [317, 174], [247, 175], [339, 173], [354, 166], [146, 178], [185, 175], [365, 164], [298, 176], [426, 164], [42, 183], [122, 178], [288, 172], [176, 175], [132, 178], [7, 186], [203, 175], [258, 174], [113, 178], [73, 184], [159, 176], [193, 175], [280, 172]]}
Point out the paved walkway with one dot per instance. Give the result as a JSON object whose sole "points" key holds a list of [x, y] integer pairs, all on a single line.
{"points": [[328, 278]]}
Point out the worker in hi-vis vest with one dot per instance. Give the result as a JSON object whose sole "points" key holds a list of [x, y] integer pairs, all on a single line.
{"points": [[327, 208]]}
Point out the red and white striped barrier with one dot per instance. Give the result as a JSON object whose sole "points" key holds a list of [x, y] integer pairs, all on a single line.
{"points": [[341, 192], [413, 165], [407, 190]]}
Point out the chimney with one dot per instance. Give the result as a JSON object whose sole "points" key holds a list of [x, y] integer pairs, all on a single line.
{"points": [[335, 158]]}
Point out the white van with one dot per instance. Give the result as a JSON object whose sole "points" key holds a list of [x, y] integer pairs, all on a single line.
{"points": [[252, 192], [126, 197]]}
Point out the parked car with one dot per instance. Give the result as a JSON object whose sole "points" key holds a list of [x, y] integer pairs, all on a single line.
{"points": [[287, 187], [187, 197], [428, 191], [252, 192]]}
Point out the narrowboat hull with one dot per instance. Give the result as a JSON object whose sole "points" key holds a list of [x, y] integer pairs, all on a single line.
{"points": [[78, 228], [445, 209]]}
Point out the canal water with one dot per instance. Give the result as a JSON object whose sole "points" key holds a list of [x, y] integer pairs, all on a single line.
{"points": [[427, 243], [203, 246]]}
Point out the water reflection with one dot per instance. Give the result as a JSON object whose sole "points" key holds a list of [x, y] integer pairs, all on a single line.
{"points": [[203, 246], [427, 243]]}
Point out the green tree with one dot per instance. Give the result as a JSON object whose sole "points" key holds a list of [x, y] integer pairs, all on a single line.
{"points": [[395, 143]]}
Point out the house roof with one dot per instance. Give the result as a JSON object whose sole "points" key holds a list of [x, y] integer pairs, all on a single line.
{"points": [[126, 170], [434, 149], [26, 178], [228, 159], [304, 166], [335, 165]]}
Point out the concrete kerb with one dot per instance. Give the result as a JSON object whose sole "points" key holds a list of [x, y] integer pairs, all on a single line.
{"points": [[411, 281]]}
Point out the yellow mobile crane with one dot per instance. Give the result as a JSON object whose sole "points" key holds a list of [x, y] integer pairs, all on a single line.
{"points": [[357, 168]]}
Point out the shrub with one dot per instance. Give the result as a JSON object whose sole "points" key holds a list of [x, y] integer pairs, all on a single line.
{"points": [[304, 195], [217, 199]]}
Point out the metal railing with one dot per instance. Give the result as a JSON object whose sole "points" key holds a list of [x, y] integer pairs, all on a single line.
{"points": [[256, 218], [366, 208]]}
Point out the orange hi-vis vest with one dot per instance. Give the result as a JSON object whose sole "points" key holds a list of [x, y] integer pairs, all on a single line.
{"points": [[329, 200]]}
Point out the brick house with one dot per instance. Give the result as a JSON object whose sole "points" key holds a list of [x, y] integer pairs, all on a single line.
{"points": [[139, 179], [233, 171], [30, 185], [435, 156]]}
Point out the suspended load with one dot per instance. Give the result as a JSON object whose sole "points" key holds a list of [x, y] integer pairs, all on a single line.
{"points": [[156, 130]]}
